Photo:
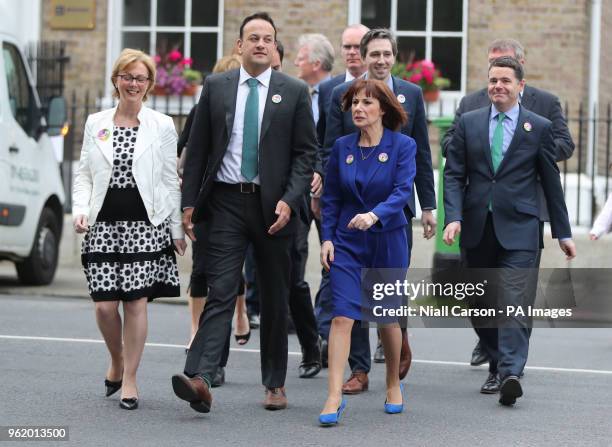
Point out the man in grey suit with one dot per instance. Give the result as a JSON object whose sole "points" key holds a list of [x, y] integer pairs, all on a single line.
{"points": [[502, 149], [250, 159], [539, 101]]}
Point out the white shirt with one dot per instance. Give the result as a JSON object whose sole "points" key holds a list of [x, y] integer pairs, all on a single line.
{"points": [[348, 76], [229, 171]]}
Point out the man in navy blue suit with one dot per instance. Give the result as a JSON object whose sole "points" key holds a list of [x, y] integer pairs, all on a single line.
{"points": [[355, 67], [491, 196], [378, 49]]}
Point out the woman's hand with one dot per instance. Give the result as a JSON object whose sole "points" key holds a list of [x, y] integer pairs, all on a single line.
{"points": [[363, 221], [81, 224], [327, 254], [180, 246]]}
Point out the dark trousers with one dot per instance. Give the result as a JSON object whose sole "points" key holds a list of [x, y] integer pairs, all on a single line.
{"points": [[360, 356], [300, 300], [507, 342], [234, 221]]}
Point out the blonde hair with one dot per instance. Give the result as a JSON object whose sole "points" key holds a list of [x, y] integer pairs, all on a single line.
{"points": [[227, 63], [128, 57]]}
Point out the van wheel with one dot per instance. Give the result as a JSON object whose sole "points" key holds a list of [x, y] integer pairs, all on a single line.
{"points": [[39, 268]]}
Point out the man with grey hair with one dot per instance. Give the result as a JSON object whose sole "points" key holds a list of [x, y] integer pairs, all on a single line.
{"points": [[536, 100], [314, 61]]}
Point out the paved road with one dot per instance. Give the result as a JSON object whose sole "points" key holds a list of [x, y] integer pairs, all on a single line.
{"points": [[58, 380]]}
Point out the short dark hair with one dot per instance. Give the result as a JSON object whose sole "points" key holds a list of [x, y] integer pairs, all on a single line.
{"points": [[395, 116], [377, 33], [281, 50], [509, 62], [258, 16]]}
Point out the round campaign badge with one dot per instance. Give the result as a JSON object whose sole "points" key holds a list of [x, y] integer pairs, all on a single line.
{"points": [[104, 134], [349, 159], [276, 99], [527, 126], [383, 157], [401, 99]]}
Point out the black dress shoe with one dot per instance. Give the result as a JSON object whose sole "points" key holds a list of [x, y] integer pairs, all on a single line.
{"points": [[129, 403], [219, 378], [309, 369], [491, 385], [510, 390], [112, 387], [324, 348], [379, 355], [479, 356], [254, 321]]}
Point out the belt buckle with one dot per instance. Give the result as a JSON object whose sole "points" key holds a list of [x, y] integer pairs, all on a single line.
{"points": [[247, 188]]}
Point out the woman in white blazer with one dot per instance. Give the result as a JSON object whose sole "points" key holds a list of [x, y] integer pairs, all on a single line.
{"points": [[126, 198]]}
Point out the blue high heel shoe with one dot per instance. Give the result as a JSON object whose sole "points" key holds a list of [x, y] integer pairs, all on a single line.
{"points": [[328, 419], [395, 408]]}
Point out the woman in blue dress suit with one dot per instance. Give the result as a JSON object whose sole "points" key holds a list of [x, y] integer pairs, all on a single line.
{"points": [[368, 183]]}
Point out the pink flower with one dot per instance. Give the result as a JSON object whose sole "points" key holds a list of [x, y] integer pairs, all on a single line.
{"points": [[428, 75], [187, 61], [416, 78], [428, 64], [175, 56], [157, 58]]}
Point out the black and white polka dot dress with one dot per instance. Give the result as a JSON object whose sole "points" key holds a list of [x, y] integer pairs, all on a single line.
{"points": [[125, 257]]}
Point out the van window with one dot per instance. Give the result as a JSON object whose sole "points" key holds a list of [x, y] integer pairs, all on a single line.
{"points": [[21, 98]]}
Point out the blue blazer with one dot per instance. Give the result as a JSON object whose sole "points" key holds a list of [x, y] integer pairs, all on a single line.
{"points": [[386, 193], [341, 123], [325, 95], [470, 183]]}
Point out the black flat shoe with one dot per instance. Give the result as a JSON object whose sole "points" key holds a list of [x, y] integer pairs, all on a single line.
{"points": [[129, 403], [112, 387], [243, 339]]}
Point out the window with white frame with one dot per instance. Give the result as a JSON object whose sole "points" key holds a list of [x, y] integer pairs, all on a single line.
{"points": [[425, 29], [159, 26]]}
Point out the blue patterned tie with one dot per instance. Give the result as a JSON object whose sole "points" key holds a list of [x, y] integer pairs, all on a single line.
{"points": [[250, 132]]}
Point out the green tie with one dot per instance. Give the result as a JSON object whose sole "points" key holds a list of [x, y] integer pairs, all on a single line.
{"points": [[498, 141], [250, 132]]}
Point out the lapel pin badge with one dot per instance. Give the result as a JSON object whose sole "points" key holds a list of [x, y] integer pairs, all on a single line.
{"points": [[401, 99], [276, 99], [383, 157], [104, 134], [349, 159], [527, 126]]}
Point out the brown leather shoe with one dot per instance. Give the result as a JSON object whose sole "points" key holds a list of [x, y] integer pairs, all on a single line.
{"points": [[357, 383], [276, 399], [405, 356], [194, 390]]}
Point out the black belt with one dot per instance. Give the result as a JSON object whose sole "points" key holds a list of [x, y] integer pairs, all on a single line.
{"points": [[243, 188]]}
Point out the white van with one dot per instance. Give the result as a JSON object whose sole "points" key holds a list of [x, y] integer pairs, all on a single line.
{"points": [[31, 190]]}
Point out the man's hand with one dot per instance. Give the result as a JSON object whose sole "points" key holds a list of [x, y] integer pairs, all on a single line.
{"points": [[188, 224], [327, 254], [451, 231], [283, 211], [180, 245], [316, 186], [429, 224], [315, 207], [569, 248], [81, 224], [362, 221]]}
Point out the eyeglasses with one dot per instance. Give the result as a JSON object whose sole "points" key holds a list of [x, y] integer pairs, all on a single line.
{"points": [[129, 78]]}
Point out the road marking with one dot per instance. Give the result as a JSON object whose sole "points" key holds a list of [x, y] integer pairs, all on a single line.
{"points": [[256, 351]]}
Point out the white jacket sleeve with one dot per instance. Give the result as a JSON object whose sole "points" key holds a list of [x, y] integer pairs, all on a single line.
{"points": [[604, 221], [170, 176], [83, 183]]}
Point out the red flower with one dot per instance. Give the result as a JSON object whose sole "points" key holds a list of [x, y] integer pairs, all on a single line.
{"points": [[187, 61], [415, 78], [428, 64], [428, 75], [175, 56]]}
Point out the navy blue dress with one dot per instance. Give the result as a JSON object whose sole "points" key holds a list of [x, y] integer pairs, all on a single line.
{"points": [[380, 180]]}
